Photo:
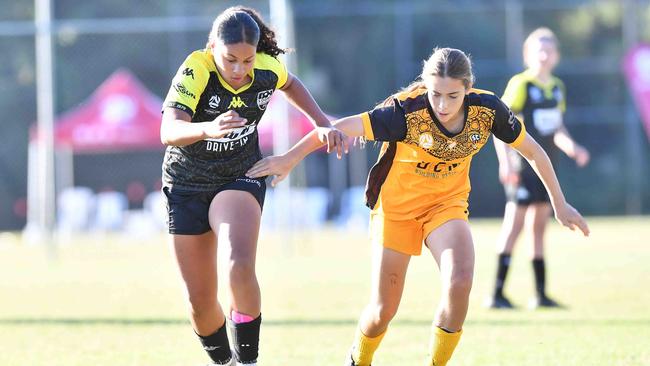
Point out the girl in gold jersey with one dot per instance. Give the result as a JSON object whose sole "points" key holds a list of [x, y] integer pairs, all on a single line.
{"points": [[216, 99], [419, 187], [539, 97]]}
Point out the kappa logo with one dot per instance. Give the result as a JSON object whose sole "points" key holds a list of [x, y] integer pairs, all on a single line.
{"points": [[426, 140], [263, 98], [188, 72], [214, 101], [236, 102]]}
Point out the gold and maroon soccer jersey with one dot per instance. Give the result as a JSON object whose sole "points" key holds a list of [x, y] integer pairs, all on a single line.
{"points": [[422, 166], [199, 90]]}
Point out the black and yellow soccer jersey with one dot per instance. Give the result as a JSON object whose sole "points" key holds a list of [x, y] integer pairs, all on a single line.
{"points": [[541, 106], [199, 90], [423, 165]]}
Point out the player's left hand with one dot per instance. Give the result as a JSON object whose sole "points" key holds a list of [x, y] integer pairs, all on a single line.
{"points": [[336, 140], [571, 218], [280, 166]]}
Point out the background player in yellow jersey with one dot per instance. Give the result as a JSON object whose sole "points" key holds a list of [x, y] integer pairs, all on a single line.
{"points": [[418, 190], [538, 97], [209, 123]]}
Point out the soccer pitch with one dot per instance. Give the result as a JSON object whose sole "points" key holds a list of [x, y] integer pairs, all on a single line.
{"points": [[109, 301]]}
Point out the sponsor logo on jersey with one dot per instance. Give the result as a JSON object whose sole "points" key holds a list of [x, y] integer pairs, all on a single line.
{"points": [[426, 140], [238, 138], [181, 89], [439, 170], [188, 72], [263, 98], [236, 102]]}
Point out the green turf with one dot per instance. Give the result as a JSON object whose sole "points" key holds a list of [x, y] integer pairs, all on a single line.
{"points": [[108, 301]]}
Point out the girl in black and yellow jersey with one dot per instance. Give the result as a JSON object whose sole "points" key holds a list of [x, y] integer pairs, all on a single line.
{"points": [[419, 188], [209, 123], [539, 98]]}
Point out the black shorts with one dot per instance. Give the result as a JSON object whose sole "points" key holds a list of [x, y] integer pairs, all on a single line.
{"points": [[529, 190], [187, 211]]}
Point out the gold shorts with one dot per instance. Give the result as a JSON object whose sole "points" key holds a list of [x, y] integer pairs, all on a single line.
{"points": [[407, 236]]}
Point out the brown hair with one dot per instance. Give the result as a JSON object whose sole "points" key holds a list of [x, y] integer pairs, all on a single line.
{"points": [[443, 62], [541, 34], [241, 24]]}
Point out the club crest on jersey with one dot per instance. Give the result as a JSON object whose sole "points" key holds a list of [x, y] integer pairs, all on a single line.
{"points": [[263, 98], [425, 141], [214, 101], [236, 102]]}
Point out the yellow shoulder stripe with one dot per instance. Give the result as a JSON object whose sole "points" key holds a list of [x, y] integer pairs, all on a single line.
{"points": [[264, 61]]}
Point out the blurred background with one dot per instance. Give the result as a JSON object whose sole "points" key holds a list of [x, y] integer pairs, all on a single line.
{"points": [[113, 62], [93, 75]]}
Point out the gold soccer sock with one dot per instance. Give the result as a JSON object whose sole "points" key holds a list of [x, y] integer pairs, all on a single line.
{"points": [[365, 347], [442, 345]]}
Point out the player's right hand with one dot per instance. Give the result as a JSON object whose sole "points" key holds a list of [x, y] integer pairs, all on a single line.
{"points": [[335, 139], [571, 218], [224, 124], [280, 166]]}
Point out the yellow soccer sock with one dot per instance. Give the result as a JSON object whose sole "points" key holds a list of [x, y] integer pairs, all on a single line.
{"points": [[442, 346], [364, 348]]}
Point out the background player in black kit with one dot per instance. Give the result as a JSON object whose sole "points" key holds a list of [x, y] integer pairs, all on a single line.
{"points": [[539, 98], [209, 123]]}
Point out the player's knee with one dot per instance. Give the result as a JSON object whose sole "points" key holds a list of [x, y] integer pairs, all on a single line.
{"points": [[382, 314], [241, 271], [461, 282]]}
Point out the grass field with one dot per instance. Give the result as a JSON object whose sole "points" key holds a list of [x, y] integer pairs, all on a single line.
{"points": [[108, 301]]}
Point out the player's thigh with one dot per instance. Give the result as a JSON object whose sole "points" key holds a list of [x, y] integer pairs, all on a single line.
{"points": [[235, 218], [453, 249]]}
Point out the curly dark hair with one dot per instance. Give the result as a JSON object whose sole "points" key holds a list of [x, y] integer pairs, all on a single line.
{"points": [[242, 24]]}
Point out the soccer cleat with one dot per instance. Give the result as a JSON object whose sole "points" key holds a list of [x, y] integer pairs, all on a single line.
{"points": [[544, 302], [350, 360], [498, 302], [232, 362]]}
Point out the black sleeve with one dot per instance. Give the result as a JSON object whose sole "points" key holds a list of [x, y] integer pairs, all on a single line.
{"points": [[388, 123], [506, 127]]}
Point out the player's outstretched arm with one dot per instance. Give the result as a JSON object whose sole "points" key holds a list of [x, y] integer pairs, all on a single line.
{"points": [[539, 161], [299, 97], [281, 165]]}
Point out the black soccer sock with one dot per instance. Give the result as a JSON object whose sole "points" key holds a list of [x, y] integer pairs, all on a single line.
{"points": [[217, 346], [246, 339], [502, 272], [540, 276]]}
